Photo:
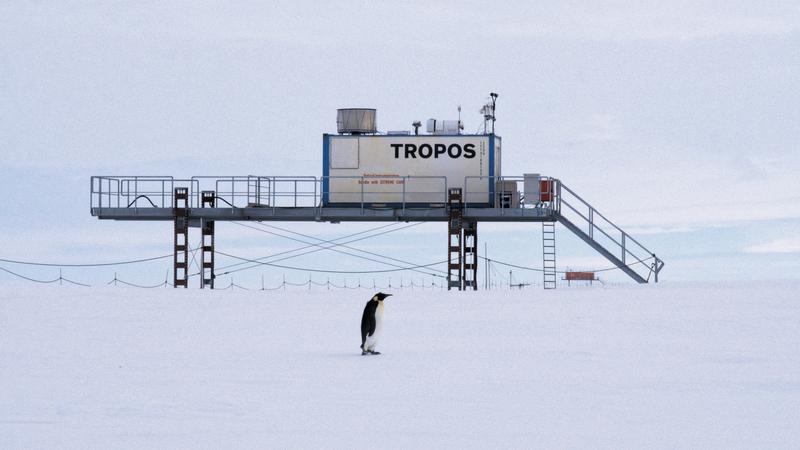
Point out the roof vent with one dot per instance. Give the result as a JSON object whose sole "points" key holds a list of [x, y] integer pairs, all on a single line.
{"points": [[355, 121]]}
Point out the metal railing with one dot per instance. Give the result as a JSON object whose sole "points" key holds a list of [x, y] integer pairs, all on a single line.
{"points": [[252, 191], [286, 191], [134, 192], [371, 191], [374, 191], [508, 192], [606, 233]]}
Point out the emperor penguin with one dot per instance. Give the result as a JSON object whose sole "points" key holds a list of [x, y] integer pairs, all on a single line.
{"points": [[372, 324]]}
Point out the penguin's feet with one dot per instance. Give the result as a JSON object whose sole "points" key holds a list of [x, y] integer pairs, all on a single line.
{"points": [[364, 352], [374, 353]]}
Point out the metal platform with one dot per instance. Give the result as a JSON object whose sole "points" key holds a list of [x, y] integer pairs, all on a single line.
{"points": [[290, 198], [325, 214], [243, 198]]}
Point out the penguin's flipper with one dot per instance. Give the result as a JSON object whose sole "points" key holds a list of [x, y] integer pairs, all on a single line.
{"points": [[368, 320]]}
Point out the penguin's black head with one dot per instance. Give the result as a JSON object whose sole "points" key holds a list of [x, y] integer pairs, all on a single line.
{"points": [[380, 296]]}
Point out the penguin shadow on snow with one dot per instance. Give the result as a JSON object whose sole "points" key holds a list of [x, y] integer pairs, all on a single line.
{"points": [[372, 324]]}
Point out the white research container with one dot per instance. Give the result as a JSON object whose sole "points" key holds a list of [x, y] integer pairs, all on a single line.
{"points": [[415, 170]]}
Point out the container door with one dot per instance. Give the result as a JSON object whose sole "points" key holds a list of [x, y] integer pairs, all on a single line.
{"points": [[344, 153]]}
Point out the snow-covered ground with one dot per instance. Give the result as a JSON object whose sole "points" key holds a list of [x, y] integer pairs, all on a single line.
{"points": [[629, 367]]}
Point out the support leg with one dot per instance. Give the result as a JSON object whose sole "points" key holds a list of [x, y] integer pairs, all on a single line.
{"points": [[180, 260], [207, 243], [455, 241]]}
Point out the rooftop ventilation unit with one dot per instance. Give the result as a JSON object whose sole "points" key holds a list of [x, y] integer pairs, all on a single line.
{"points": [[444, 126], [356, 121]]}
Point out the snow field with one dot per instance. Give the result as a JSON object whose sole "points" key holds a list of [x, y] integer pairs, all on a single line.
{"points": [[685, 365]]}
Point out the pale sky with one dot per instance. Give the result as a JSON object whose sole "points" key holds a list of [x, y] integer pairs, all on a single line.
{"points": [[677, 120]]}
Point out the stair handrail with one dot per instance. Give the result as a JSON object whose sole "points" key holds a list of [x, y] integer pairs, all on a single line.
{"points": [[625, 237]]}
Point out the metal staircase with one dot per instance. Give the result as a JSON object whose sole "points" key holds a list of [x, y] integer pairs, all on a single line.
{"points": [[549, 254], [625, 252]]}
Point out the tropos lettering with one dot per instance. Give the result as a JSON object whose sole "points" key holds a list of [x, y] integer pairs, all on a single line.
{"points": [[426, 151]]}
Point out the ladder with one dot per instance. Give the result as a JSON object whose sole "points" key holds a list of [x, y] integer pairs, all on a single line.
{"points": [[549, 254], [455, 243], [180, 259]]}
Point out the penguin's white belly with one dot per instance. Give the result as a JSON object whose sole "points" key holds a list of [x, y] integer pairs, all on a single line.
{"points": [[373, 340]]}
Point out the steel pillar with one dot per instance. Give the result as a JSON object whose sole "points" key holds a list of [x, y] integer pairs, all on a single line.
{"points": [[455, 243], [180, 260], [470, 270], [207, 275]]}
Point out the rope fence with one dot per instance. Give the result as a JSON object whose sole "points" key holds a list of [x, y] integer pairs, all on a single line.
{"points": [[436, 281], [309, 284]]}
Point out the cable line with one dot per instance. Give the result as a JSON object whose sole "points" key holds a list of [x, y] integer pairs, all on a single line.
{"points": [[28, 278], [117, 263], [562, 271], [332, 248], [60, 278], [318, 270], [320, 249], [307, 246], [349, 247], [117, 280]]}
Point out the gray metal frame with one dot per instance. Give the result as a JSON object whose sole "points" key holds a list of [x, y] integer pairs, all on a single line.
{"points": [[299, 198]]}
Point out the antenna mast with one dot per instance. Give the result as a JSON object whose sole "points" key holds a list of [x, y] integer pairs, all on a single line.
{"points": [[494, 101], [488, 112]]}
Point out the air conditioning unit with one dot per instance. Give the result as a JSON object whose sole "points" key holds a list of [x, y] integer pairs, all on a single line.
{"points": [[356, 121]]}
